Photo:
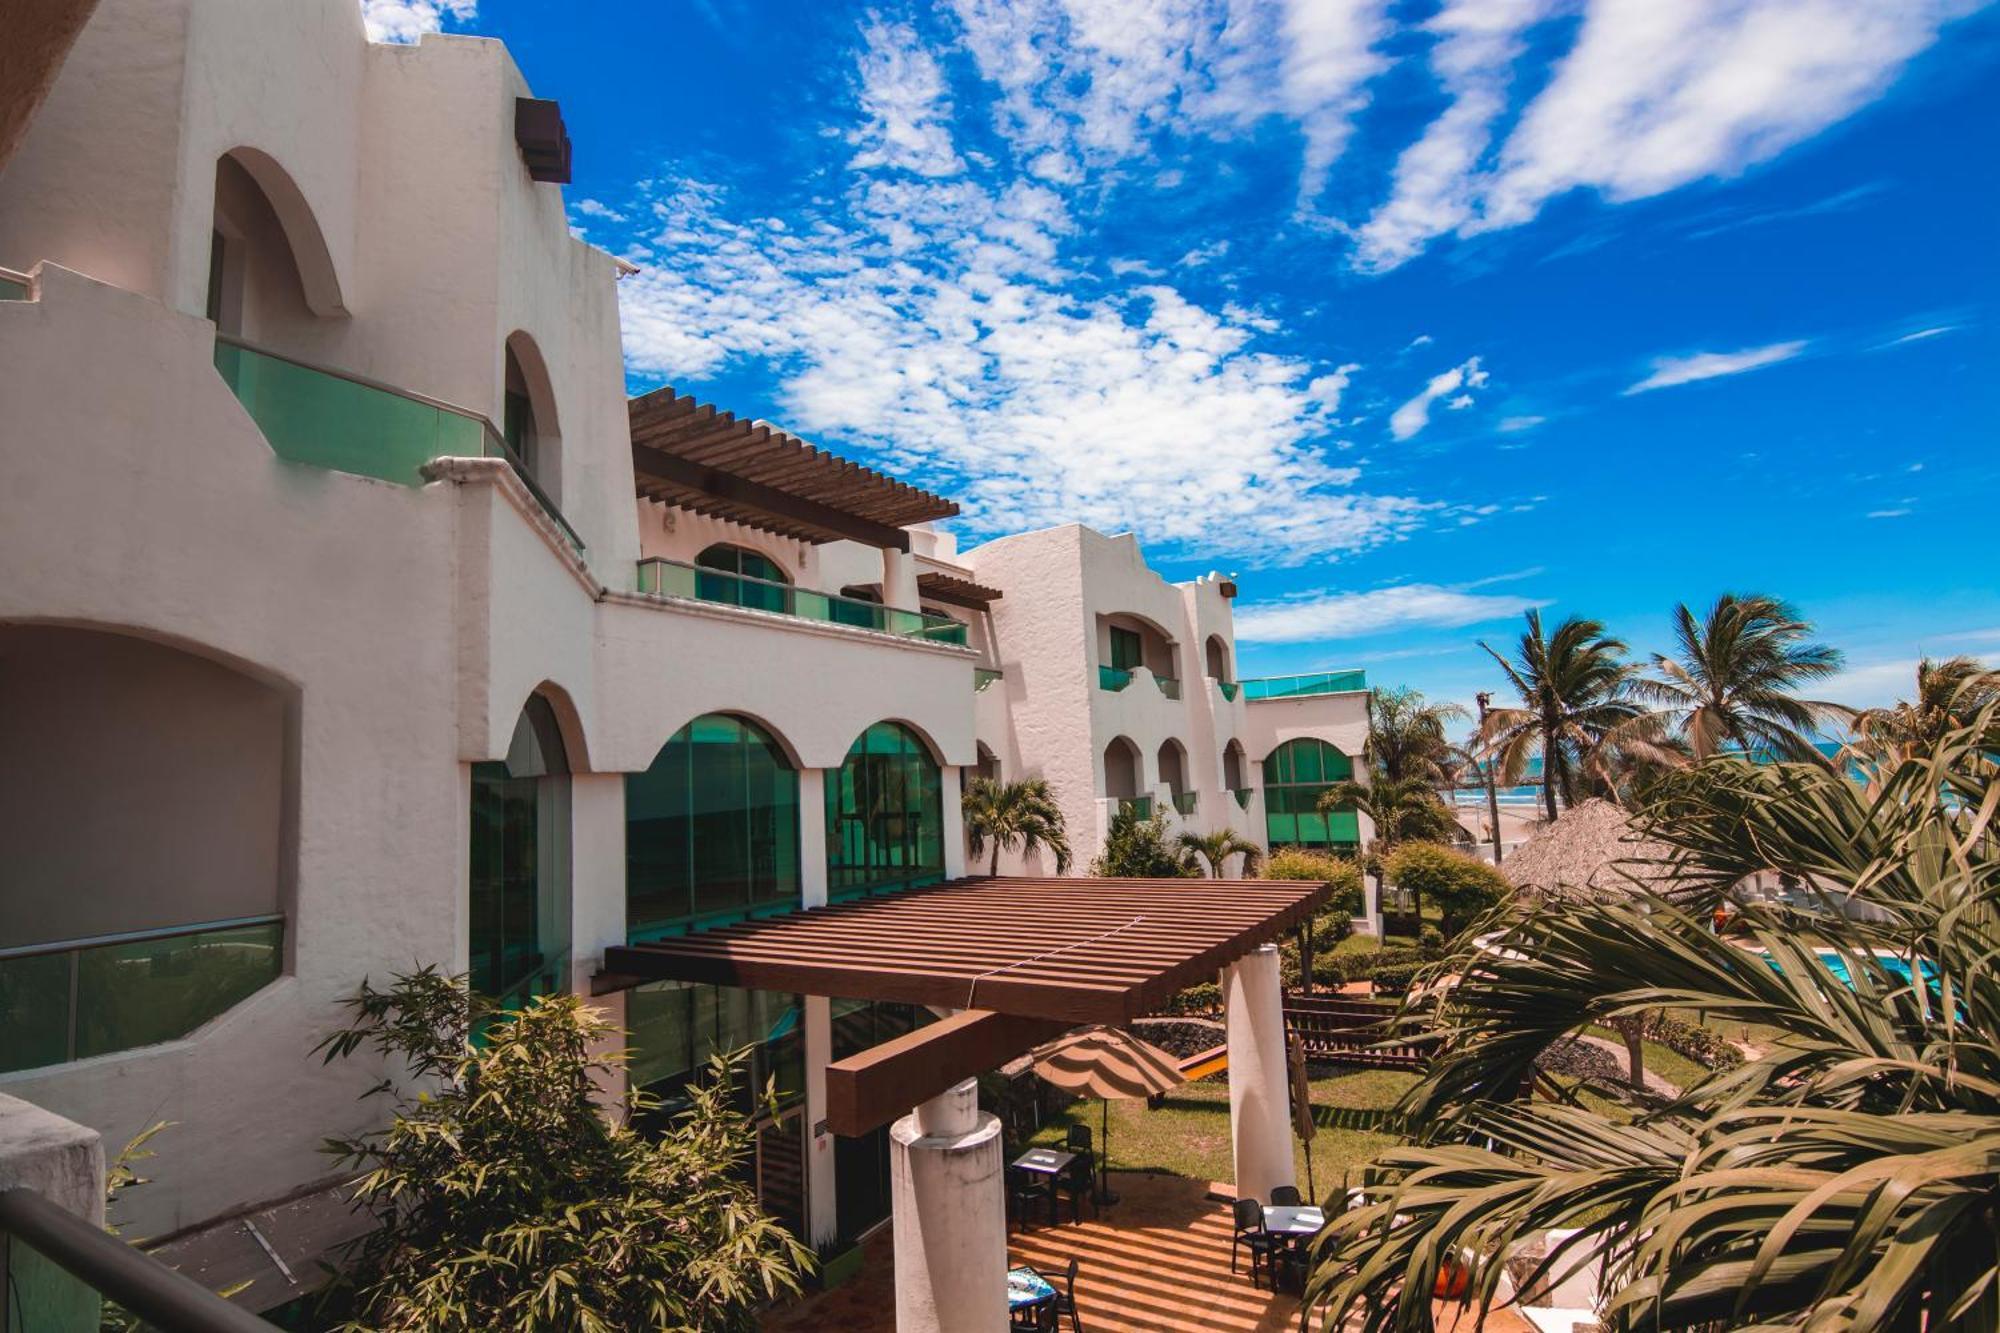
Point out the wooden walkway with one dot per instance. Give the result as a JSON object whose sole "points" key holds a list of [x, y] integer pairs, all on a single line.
{"points": [[1155, 1262]]}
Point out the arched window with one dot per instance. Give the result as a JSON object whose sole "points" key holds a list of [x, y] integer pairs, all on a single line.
{"points": [[884, 815], [711, 829], [520, 863], [1122, 773], [1216, 653], [1232, 771], [742, 578], [989, 764], [1295, 775], [269, 267], [1173, 773]]}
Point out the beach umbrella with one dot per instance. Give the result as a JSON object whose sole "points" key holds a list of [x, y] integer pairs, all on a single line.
{"points": [[1109, 1064]]}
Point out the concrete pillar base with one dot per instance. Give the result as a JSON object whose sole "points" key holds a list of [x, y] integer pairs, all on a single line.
{"points": [[1260, 1118], [64, 1163], [950, 1217]]}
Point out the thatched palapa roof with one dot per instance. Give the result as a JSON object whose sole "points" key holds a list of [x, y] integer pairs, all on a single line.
{"points": [[1592, 851]]}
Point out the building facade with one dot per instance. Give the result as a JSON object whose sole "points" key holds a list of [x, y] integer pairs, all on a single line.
{"points": [[356, 621]]}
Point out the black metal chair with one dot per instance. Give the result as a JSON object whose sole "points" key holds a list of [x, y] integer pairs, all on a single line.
{"points": [[1065, 1302], [1248, 1215], [1079, 1138], [1037, 1318], [1286, 1196], [1027, 1192], [1079, 1182]]}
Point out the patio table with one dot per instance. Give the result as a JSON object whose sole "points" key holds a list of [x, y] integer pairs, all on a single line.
{"points": [[1045, 1161], [1026, 1287], [1293, 1220]]}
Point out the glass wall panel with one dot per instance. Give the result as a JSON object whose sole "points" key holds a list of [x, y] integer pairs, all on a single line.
{"points": [[1295, 776], [34, 1011], [711, 829], [884, 815], [677, 1027], [519, 906], [737, 592]]}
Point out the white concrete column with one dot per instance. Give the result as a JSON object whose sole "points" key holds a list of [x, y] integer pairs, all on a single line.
{"points": [[597, 872], [64, 1163], [822, 1217], [950, 1217], [899, 580], [952, 779], [1260, 1121], [1371, 906], [812, 837]]}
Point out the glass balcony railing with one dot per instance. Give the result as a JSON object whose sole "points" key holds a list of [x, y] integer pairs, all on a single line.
{"points": [[673, 578], [330, 419], [982, 677], [1230, 689], [79, 998], [1298, 687], [1242, 795], [1113, 679], [1184, 801], [1168, 686], [1140, 806], [15, 286]]}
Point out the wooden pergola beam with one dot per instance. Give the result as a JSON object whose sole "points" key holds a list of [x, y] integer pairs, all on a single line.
{"points": [[872, 1088], [727, 486]]}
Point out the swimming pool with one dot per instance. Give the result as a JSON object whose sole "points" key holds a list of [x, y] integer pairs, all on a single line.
{"points": [[1837, 964]]}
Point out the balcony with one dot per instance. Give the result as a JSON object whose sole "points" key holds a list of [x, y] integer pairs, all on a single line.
{"points": [[79, 998], [1140, 807], [674, 578], [1185, 801], [1230, 689], [1301, 687], [1112, 679], [982, 677], [1168, 686], [344, 423], [15, 286], [1243, 795]]}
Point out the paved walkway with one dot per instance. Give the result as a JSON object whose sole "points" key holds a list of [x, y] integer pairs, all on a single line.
{"points": [[1155, 1262]]}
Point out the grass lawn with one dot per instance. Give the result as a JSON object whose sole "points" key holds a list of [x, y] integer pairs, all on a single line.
{"points": [[1668, 1063], [1188, 1134]]}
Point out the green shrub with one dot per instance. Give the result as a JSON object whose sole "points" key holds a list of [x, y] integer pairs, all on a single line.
{"points": [[1138, 848], [1397, 977], [1705, 1046], [1463, 886], [1205, 998], [1430, 941]]}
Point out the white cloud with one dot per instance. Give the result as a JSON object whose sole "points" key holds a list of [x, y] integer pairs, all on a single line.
{"points": [[1458, 404], [1421, 340], [1876, 685], [1414, 415], [1669, 371], [906, 112], [1888, 513], [1342, 615], [1512, 425], [407, 20], [1923, 335]]}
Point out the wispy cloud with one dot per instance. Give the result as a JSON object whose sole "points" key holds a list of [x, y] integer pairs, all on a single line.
{"points": [[1415, 414], [1888, 513], [407, 20], [906, 111], [1923, 335], [1514, 425], [1669, 371], [1346, 615]]}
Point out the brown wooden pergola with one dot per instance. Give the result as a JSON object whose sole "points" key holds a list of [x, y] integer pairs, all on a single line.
{"points": [[1021, 959], [700, 458], [938, 586]]}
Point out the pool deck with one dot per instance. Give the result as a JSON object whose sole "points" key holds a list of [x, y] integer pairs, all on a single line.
{"points": [[1155, 1262]]}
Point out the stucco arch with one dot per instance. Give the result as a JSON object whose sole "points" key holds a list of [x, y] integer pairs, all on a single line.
{"points": [[569, 721], [520, 352], [1124, 769], [1216, 658], [319, 279], [931, 747], [763, 724]]}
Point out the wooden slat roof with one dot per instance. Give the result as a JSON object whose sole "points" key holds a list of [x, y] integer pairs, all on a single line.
{"points": [[942, 587], [698, 457], [1069, 950]]}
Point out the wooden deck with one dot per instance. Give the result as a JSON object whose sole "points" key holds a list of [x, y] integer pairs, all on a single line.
{"points": [[1155, 1262]]}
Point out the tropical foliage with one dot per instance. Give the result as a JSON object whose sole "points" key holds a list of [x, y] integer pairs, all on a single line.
{"points": [[1139, 847], [1845, 1178], [1949, 694], [1402, 810], [1462, 886], [1733, 679], [1010, 815], [504, 1197], [1214, 850], [1407, 735]]}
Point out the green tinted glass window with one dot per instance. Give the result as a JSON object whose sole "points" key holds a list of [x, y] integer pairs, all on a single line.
{"points": [[711, 829], [1296, 774], [884, 814], [519, 910], [738, 591], [677, 1026], [1126, 650]]}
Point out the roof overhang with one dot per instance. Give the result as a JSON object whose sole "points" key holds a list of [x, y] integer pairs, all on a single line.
{"points": [[702, 459], [1024, 958], [939, 586]]}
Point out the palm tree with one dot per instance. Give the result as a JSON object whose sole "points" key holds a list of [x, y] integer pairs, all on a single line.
{"points": [[1406, 734], [1014, 814], [1575, 690], [1405, 810], [1847, 1179], [1949, 693], [1732, 680], [1216, 848]]}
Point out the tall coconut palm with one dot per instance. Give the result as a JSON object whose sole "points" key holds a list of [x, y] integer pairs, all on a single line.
{"points": [[1847, 1179], [1949, 693], [1216, 848], [1014, 814], [1405, 810], [1732, 680], [1406, 734], [1575, 691]]}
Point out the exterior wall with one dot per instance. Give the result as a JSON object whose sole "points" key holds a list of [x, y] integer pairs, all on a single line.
{"points": [[1339, 719]]}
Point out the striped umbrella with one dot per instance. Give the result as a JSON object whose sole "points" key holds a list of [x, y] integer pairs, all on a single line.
{"points": [[1109, 1064]]}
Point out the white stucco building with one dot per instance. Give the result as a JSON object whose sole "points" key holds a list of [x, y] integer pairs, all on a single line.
{"points": [[353, 620]]}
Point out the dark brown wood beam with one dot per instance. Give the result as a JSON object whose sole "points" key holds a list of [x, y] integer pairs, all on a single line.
{"points": [[650, 462], [883, 1082]]}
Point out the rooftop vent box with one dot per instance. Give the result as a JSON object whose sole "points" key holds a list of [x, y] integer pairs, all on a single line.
{"points": [[544, 141]]}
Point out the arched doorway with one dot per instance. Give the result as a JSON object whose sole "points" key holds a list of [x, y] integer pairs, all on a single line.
{"points": [[1234, 776], [1296, 774], [989, 764], [520, 864], [741, 577], [1215, 655], [884, 815], [269, 266], [711, 829], [528, 414], [1173, 774], [1123, 773]]}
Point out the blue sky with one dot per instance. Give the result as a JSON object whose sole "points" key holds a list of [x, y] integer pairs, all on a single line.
{"points": [[1413, 315]]}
